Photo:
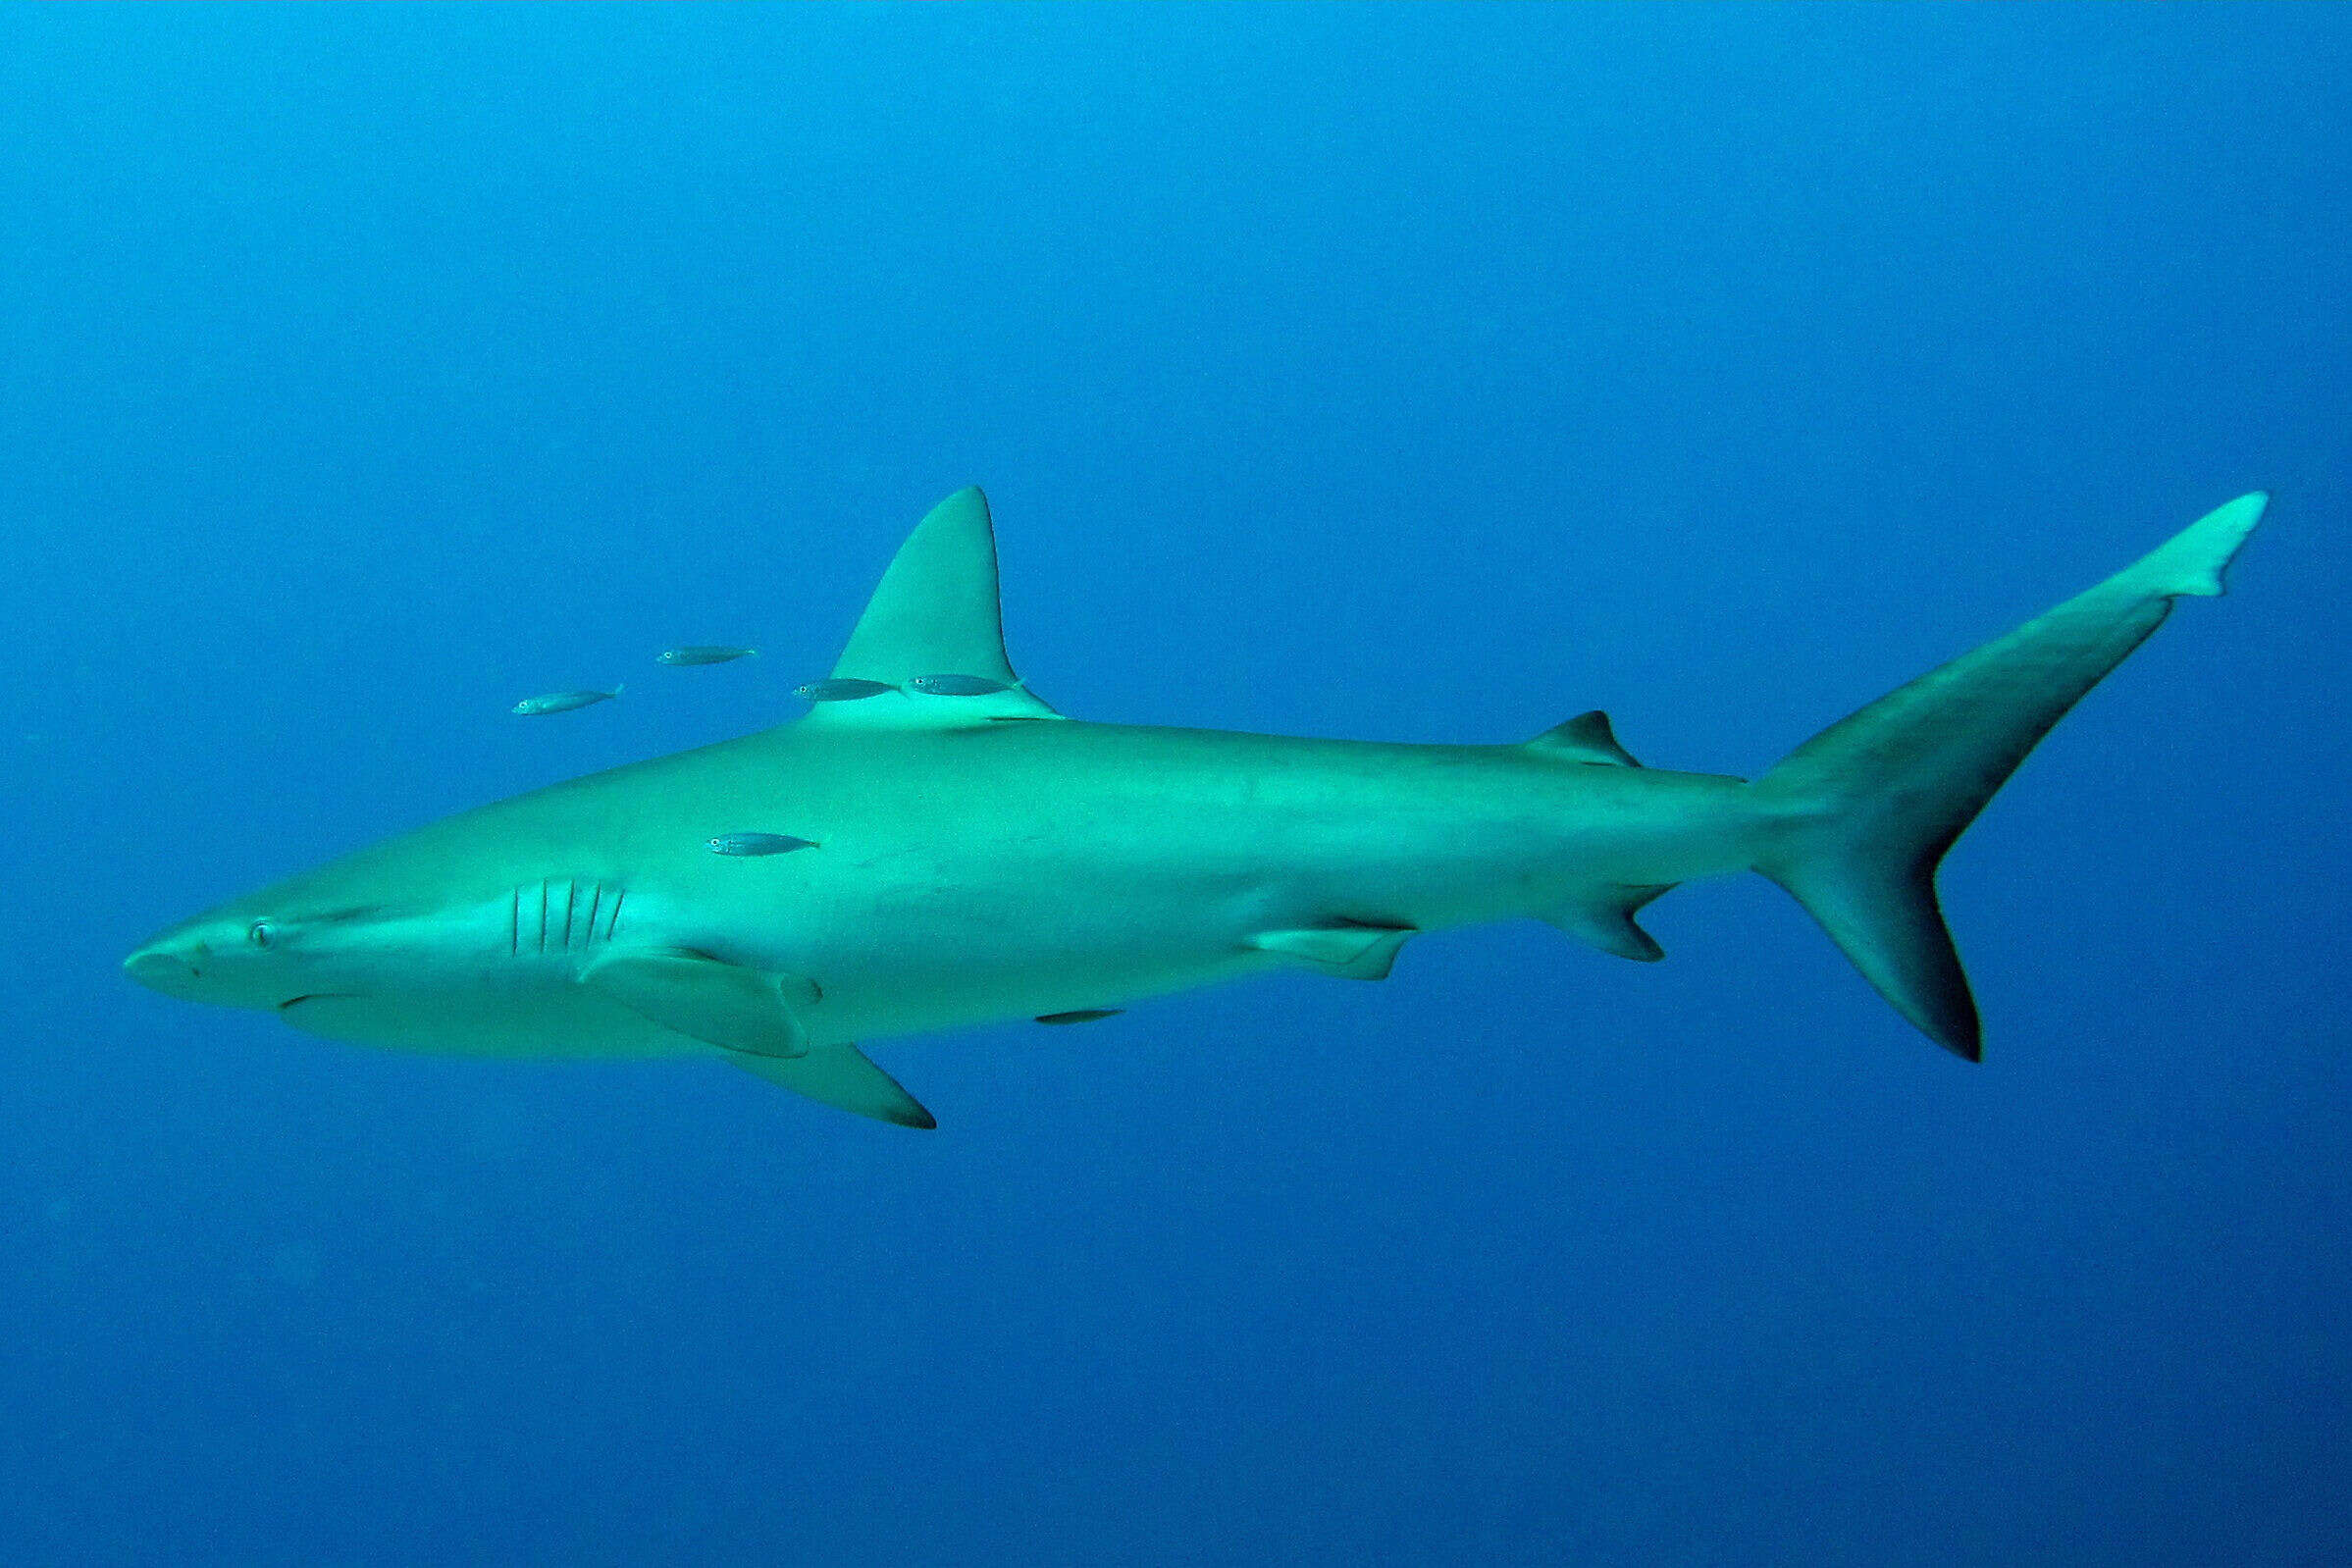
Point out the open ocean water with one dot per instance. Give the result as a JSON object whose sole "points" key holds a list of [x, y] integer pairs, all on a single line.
{"points": [[1424, 373]]}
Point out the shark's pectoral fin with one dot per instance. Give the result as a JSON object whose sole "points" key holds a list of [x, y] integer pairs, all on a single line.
{"points": [[842, 1076], [1349, 949], [699, 996], [1604, 918]]}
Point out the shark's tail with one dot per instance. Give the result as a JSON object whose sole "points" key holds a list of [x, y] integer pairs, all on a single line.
{"points": [[1862, 813]]}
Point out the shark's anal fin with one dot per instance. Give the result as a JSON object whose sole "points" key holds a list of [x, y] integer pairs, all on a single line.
{"points": [[1605, 919], [703, 998], [1351, 950], [842, 1076], [1586, 738]]}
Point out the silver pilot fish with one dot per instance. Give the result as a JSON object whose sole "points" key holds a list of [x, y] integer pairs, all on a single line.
{"points": [[757, 844], [697, 653], [564, 702], [841, 690], [956, 685]]}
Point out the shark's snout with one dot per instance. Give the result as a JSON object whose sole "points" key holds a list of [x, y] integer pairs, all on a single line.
{"points": [[170, 965]]}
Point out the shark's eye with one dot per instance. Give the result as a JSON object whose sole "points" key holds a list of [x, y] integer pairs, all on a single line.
{"points": [[259, 933]]}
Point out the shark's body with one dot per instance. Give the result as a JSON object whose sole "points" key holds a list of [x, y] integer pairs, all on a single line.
{"points": [[979, 858]]}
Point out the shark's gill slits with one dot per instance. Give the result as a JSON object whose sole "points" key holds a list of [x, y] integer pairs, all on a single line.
{"points": [[578, 932], [575, 930]]}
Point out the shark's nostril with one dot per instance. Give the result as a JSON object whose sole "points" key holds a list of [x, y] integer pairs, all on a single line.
{"points": [[171, 964]]}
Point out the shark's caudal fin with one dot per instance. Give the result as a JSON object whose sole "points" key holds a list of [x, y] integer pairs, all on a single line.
{"points": [[1866, 809]]}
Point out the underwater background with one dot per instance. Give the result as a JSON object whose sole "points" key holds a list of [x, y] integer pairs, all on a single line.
{"points": [[1422, 373]]}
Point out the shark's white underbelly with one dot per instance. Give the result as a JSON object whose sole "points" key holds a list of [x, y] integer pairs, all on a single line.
{"points": [[966, 948], [909, 966]]}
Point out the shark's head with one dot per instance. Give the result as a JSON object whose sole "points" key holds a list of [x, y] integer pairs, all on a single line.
{"points": [[353, 952], [255, 954]]}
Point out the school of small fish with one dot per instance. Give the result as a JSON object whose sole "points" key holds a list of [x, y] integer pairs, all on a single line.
{"points": [[845, 690], [837, 690]]}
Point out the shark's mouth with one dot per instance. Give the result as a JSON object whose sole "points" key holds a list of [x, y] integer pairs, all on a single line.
{"points": [[292, 1002]]}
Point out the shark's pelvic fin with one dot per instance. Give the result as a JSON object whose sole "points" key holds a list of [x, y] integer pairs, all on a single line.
{"points": [[1862, 813], [1606, 921], [1586, 738], [935, 612], [844, 1077], [1351, 950], [703, 998]]}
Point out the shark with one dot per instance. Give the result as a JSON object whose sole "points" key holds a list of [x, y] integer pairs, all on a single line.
{"points": [[971, 856]]}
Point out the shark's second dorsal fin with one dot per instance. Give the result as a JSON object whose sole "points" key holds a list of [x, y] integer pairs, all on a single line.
{"points": [[1586, 738], [933, 614]]}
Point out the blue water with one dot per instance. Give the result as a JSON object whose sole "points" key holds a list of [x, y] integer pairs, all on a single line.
{"points": [[1425, 374]]}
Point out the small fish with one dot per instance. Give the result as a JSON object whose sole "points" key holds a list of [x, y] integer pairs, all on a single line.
{"points": [[840, 691], [958, 685], [1084, 1014], [563, 702], [698, 654], [757, 844]]}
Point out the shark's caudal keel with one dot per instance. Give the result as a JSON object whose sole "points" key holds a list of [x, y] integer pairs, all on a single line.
{"points": [[964, 855]]}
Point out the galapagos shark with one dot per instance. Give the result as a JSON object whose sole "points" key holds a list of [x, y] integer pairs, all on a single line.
{"points": [[978, 857]]}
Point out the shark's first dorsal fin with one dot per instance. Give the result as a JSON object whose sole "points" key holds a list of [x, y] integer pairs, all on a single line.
{"points": [[1586, 738], [934, 613]]}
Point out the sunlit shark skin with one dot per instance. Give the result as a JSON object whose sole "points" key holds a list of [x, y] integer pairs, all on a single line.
{"points": [[979, 858]]}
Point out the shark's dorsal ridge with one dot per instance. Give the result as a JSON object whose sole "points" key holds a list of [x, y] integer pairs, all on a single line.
{"points": [[935, 612]]}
